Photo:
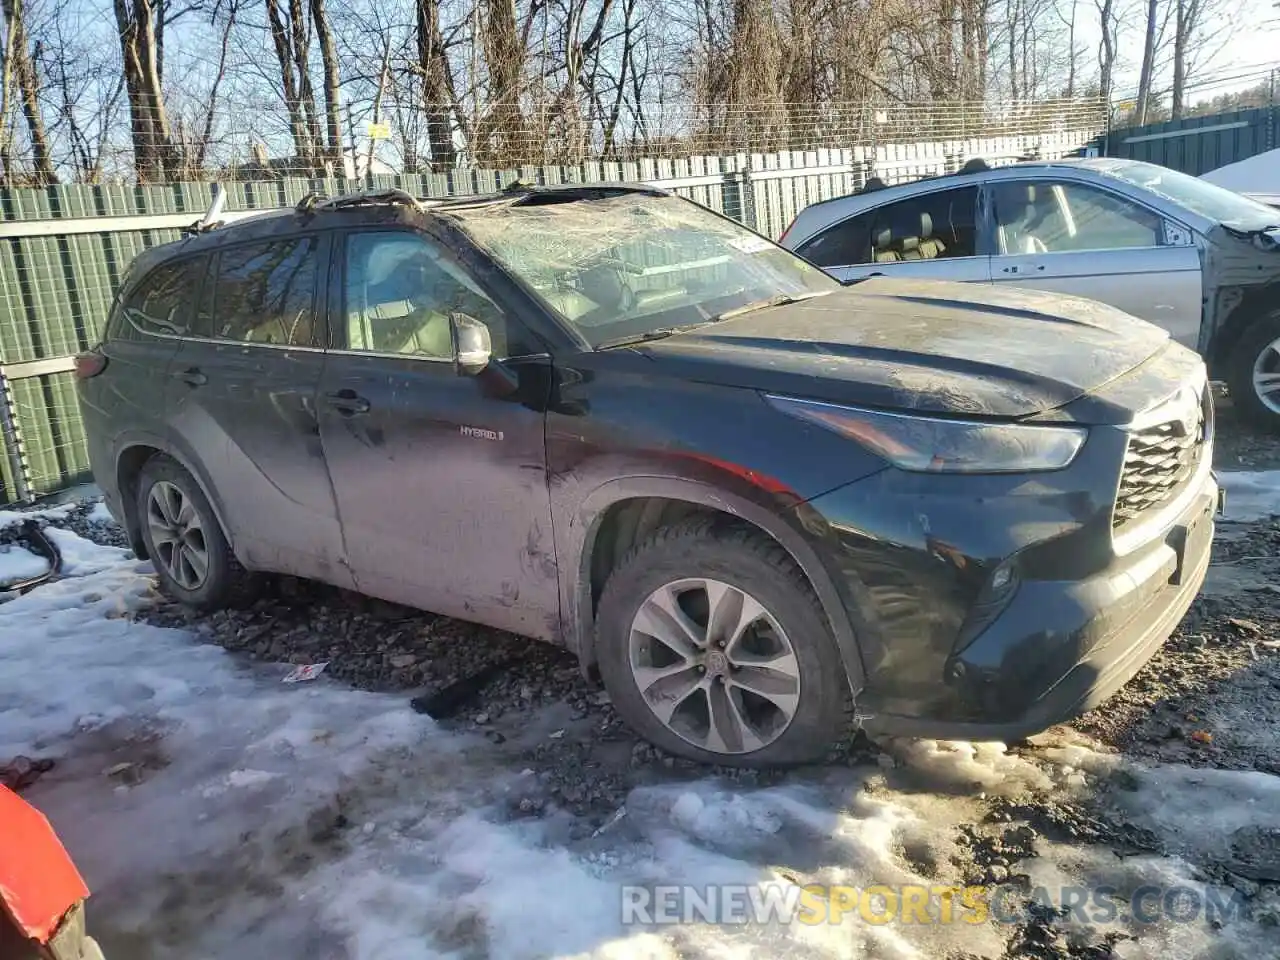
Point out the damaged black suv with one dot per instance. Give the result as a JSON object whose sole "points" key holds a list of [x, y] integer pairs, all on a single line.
{"points": [[759, 503]]}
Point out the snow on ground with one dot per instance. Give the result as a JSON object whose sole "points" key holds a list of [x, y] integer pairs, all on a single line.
{"points": [[19, 563], [100, 514], [1251, 494], [217, 812]]}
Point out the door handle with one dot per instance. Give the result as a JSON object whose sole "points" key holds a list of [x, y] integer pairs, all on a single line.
{"points": [[192, 377], [347, 402]]}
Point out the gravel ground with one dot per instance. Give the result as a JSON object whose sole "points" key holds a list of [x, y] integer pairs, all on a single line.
{"points": [[1210, 698]]}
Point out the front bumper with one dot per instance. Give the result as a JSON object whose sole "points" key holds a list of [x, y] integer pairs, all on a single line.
{"points": [[1061, 648], [949, 656]]}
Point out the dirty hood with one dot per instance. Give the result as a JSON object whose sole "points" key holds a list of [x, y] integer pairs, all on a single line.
{"points": [[921, 345]]}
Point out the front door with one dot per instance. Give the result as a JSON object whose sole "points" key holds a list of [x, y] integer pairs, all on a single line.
{"points": [[1080, 240], [440, 478], [931, 236], [243, 397]]}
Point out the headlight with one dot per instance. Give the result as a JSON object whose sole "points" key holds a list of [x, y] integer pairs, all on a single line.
{"points": [[934, 445]]}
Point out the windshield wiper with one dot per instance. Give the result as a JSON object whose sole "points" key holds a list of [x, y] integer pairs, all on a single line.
{"points": [[780, 300], [658, 333]]}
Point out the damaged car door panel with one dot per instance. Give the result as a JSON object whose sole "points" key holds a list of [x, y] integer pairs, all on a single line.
{"points": [[755, 502], [1197, 260]]}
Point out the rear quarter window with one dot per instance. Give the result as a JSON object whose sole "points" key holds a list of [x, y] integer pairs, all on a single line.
{"points": [[163, 303]]}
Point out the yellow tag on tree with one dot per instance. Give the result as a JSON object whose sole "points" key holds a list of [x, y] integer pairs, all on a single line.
{"points": [[379, 131]]}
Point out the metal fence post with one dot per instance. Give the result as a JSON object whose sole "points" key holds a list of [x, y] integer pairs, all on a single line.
{"points": [[13, 443], [747, 194]]}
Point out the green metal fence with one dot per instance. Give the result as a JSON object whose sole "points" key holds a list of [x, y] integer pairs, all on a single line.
{"points": [[63, 250], [1196, 145]]}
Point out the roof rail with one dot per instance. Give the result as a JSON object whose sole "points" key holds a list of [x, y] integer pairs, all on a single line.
{"points": [[389, 196]]}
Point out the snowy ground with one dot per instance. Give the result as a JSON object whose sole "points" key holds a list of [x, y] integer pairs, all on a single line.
{"points": [[218, 812]]}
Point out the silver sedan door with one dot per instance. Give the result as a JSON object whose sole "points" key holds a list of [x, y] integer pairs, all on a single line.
{"points": [[931, 236], [1077, 239]]}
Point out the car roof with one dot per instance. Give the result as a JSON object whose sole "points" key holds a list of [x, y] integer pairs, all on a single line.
{"points": [[389, 207]]}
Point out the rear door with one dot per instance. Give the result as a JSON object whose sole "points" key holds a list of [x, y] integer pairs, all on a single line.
{"points": [[245, 401], [440, 478], [1078, 239], [931, 236], [140, 341]]}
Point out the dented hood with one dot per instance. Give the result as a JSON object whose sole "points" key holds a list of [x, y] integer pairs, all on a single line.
{"points": [[921, 345]]}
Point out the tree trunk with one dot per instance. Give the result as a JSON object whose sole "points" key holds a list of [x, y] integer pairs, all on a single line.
{"points": [[1184, 16], [1107, 49], [149, 122], [1013, 51], [329, 58], [1148, 58], [437, 86], [302, 59], [19, 66], [293, 104], [504, 56]]}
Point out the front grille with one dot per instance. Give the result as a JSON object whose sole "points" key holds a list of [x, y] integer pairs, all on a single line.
{"points": [[1163, 454]]}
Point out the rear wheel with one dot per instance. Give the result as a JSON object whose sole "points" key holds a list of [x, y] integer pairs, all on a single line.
{"points": [[184, 539], [1253, 373], [713, 646]]}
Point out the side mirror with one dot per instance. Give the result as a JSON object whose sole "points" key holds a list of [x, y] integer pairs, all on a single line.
{"points": [[472, 348]]}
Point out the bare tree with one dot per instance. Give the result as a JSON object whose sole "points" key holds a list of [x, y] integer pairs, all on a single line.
{"points": [[149, 119], [1148, 62], [329, 58]]}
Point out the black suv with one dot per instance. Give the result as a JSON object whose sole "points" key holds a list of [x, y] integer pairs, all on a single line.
{"points": [[758, 502]]}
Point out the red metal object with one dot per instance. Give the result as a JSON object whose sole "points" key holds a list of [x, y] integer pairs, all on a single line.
{"points": [[38, 882]]}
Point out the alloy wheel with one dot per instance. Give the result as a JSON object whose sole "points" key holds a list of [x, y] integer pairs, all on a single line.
{"points": [[178, 535], [714, 666], [1266, 376]]}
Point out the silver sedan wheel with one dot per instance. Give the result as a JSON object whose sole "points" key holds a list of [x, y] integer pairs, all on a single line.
{"points": [[714, 666], [178, 535], [1266, 376]]}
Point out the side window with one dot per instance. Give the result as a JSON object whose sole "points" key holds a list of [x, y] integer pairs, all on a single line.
{"points": [[845, 244], [165, 301], [930, 227], [400, 289], [266, 292], [1047, 217]]}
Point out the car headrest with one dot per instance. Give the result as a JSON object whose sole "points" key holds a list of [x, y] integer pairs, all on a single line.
{"points": [[907, 244], [926, 225], [883, 237]]}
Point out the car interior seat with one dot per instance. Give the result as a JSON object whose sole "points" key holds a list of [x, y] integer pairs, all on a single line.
{"points": [[882, 246], [906, 237], [1026, 213], [408, 303], [931, 247]]}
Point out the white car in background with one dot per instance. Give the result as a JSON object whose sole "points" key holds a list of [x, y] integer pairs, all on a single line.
{"points": [[1196, 259]]}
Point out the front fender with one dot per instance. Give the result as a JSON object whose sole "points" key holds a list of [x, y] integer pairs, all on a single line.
{"points": [[576, 536]]}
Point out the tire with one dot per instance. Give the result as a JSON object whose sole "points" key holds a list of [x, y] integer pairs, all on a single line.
{"points": [[790, 636], [1255, 347], [223, 581]]}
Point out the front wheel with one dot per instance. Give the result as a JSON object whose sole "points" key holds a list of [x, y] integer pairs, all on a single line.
{"points": [[713, 646], [1253, 373]]}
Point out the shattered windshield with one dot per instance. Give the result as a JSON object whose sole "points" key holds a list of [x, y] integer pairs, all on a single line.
{"points": [[630, 264], [1207, 199]]}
